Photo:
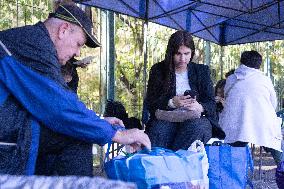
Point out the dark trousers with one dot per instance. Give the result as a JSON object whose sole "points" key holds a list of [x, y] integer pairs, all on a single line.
{"points": [[62, 155], [177, 136]]}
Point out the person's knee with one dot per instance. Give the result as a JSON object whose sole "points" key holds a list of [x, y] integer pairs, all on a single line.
{"points": [[160, 125], [161, 133], [198, 124], [161, 122]]}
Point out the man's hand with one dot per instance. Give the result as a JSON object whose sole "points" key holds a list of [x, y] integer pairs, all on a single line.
{"points": [[220, 99], [134, 137], [114, 121]]}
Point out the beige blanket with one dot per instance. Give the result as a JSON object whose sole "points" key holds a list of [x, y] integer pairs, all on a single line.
{"points": [[178, 115]]}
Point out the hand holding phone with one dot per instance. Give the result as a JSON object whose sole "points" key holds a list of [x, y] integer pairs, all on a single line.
{"points": [[191, 93]]}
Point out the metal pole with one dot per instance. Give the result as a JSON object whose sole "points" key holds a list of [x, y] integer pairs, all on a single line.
{"points": [[267, 59], [111, 56], [221, 60], [145, 48], [103, 60], [207, 53], [107, 60], [145, 53]]}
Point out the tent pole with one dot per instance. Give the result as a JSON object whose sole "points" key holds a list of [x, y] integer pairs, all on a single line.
{"points": [[207, 53], [145, 53], [221, 60], [145, 48], [268, 62], [103, 60], [103, 71], [107, 58], [111, 56]]}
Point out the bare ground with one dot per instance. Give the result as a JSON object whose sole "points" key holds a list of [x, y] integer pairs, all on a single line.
{"points": [[264, 177]]}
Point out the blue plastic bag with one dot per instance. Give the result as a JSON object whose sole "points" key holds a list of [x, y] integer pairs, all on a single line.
{"points": [[157, 167], [161, 167], [229, 166], [116, 168]]}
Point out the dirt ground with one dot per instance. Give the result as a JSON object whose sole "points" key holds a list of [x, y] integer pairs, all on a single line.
{"points": [[264, 177]]}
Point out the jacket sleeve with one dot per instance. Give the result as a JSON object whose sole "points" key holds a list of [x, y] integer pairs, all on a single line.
{"points": [[52, 105], [207, 98], [156, 98]]}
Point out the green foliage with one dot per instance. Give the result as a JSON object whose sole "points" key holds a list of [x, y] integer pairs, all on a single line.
{"points": [[130, 59], [91, 90], [23, 12], [89, 86]]}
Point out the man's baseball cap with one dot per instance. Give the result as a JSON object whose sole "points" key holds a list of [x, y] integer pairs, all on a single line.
{"points": [[75, 15]]}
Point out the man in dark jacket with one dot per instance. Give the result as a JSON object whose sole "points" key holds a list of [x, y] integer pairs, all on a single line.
{"points": [[39, 116]]}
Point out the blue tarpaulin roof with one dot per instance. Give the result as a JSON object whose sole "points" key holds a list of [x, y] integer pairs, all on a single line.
{"points": [[225, 22]]}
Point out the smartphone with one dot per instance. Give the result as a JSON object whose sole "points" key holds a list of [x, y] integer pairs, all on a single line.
{"points": [[192, 93], [86, 60]]}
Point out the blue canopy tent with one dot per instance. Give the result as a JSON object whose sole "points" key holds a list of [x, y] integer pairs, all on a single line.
{"points": [[223, 22]]}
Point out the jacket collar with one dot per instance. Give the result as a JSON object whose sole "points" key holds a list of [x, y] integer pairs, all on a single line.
{"points": [[192, 76]]}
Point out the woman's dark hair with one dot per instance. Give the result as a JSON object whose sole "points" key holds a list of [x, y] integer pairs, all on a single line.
{"points": [[176, 40], [251, 59]]}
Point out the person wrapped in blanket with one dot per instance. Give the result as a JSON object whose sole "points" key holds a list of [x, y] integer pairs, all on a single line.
{"points": [[168, 80], [39, 115], [249, 110]]}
